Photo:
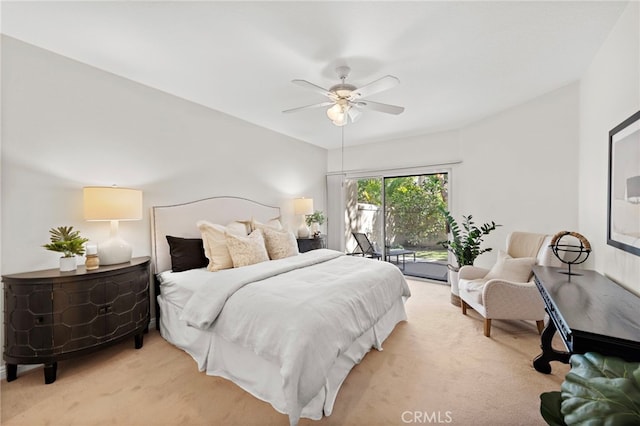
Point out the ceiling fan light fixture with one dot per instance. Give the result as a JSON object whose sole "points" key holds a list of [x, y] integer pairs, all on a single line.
{"points": [[338, 114], [346, 100]]}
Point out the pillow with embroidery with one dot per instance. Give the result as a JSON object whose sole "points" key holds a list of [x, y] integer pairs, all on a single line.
{"points": [[215, 242], [279, 244], [247, 250]]}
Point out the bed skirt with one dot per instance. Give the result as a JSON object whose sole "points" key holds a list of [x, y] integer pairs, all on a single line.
{"points": [[261, 377]]}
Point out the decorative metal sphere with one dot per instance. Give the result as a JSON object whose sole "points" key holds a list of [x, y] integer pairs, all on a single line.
{"points": [[572, 254]]}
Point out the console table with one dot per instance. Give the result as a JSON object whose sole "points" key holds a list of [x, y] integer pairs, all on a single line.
{"points": [[591, 314], [51, 315]]}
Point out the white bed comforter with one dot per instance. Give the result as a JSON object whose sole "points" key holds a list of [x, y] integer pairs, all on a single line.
{"points": [[300, 312]]}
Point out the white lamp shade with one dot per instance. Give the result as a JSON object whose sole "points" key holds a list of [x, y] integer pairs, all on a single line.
{"points": [[112, 203], [303, 206], [338, 114]]}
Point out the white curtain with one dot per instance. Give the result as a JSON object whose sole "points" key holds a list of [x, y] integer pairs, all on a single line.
{"points": [[335, 212]]}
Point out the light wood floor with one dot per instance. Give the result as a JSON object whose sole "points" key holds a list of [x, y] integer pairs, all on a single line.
{"points": [[436, 366]]}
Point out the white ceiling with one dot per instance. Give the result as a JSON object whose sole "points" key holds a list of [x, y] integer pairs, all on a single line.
{"points": [[457, 61]]}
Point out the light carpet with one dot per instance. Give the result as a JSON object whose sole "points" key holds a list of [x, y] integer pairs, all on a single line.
{"points": [[436, 368]]}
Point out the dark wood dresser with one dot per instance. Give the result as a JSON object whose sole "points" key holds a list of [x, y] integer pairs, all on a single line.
{"points": [[51, 315], [591, 314]]}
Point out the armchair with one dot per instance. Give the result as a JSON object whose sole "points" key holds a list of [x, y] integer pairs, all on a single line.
{"points": [[506, 291]]}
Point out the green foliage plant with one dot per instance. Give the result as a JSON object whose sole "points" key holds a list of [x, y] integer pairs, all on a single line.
{"points": [[315, 217], [599, 390], [413, 206], [67, 241], [465, 244]]}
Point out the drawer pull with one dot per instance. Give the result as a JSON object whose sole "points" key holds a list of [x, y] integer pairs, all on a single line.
{"points": [[104, 309]]}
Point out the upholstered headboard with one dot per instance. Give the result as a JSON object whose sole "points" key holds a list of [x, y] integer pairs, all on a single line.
{"points": [[179, 220]]}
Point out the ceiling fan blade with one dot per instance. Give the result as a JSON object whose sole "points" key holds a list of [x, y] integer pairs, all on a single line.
{"points": [[321, 104], [377, 106], [314, 87], [354, 114], [383, 83]]}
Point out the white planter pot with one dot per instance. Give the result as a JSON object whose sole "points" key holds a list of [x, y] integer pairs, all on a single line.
{"points": [[453, 280], [68, 264]]}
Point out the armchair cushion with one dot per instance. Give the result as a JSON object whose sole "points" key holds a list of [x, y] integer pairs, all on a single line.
{"points": [[474, 289], [472, 272], [511, 269]]}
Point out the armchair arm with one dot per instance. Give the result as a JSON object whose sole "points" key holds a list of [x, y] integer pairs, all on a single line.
{"points": [[510, 300], [472, 273]]}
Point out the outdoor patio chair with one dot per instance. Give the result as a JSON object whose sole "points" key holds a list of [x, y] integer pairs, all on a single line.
{"points": [[366, 247]]}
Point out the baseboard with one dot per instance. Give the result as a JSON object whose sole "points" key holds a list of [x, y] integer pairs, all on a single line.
{"points": [[27, 367]]}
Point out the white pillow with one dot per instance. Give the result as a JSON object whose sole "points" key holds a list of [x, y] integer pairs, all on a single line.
{"points": [[215, 243], [271, 223], [240, 227], [511, 269], [279, 244], [248, 250]]}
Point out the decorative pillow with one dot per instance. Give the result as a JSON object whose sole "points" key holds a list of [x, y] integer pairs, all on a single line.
{"points": [[240, 227], [271, 223], [248, 250], [279, 244], [186, 253], [508, 268], [215, 243]]}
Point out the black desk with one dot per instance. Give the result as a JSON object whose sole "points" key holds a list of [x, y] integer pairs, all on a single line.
{"points": [[590, 312]]}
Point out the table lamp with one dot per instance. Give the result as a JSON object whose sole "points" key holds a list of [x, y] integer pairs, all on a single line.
{"points": [[112, 204], [303, 206]]}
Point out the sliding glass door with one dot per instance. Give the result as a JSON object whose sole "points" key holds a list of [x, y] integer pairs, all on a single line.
{"points": [[401, 216], [365, 212]]}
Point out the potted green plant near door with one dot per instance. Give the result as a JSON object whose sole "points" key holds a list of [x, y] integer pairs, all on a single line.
{"points": [[465, 245]]}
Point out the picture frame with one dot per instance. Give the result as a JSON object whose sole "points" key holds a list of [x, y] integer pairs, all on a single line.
{"points": [[623, 208]]}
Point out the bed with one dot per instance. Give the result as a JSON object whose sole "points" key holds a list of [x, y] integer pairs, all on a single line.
{"points": [[288, 330]]}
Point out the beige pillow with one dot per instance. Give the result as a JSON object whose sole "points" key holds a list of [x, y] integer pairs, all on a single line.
{"points": [[279, 244], [215, 243], [247, 250], [511, 269], [240, 227], [271, 223]]}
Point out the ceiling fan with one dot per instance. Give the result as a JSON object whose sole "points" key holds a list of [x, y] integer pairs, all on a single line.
{"points": [[346, 101]]}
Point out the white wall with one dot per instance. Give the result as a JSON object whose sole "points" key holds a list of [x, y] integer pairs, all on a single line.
{"points": [[609, 93], [518, 168], [66, 125]]}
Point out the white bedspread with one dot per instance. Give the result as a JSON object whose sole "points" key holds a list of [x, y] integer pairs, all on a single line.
{"points": [[300, 312]]}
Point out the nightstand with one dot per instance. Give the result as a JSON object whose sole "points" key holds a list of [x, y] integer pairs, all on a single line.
{"points": [[51, 315], [308, 244]]}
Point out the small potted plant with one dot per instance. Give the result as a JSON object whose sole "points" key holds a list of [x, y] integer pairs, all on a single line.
{"points": [[314, 221], [68, 242], [464, 244]]}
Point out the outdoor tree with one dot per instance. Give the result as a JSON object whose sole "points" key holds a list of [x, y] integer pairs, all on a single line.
{"points": [[413, 214]]}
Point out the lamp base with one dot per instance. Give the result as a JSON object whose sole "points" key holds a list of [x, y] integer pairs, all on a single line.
{"points": [[114, 250], [303, 231]]}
